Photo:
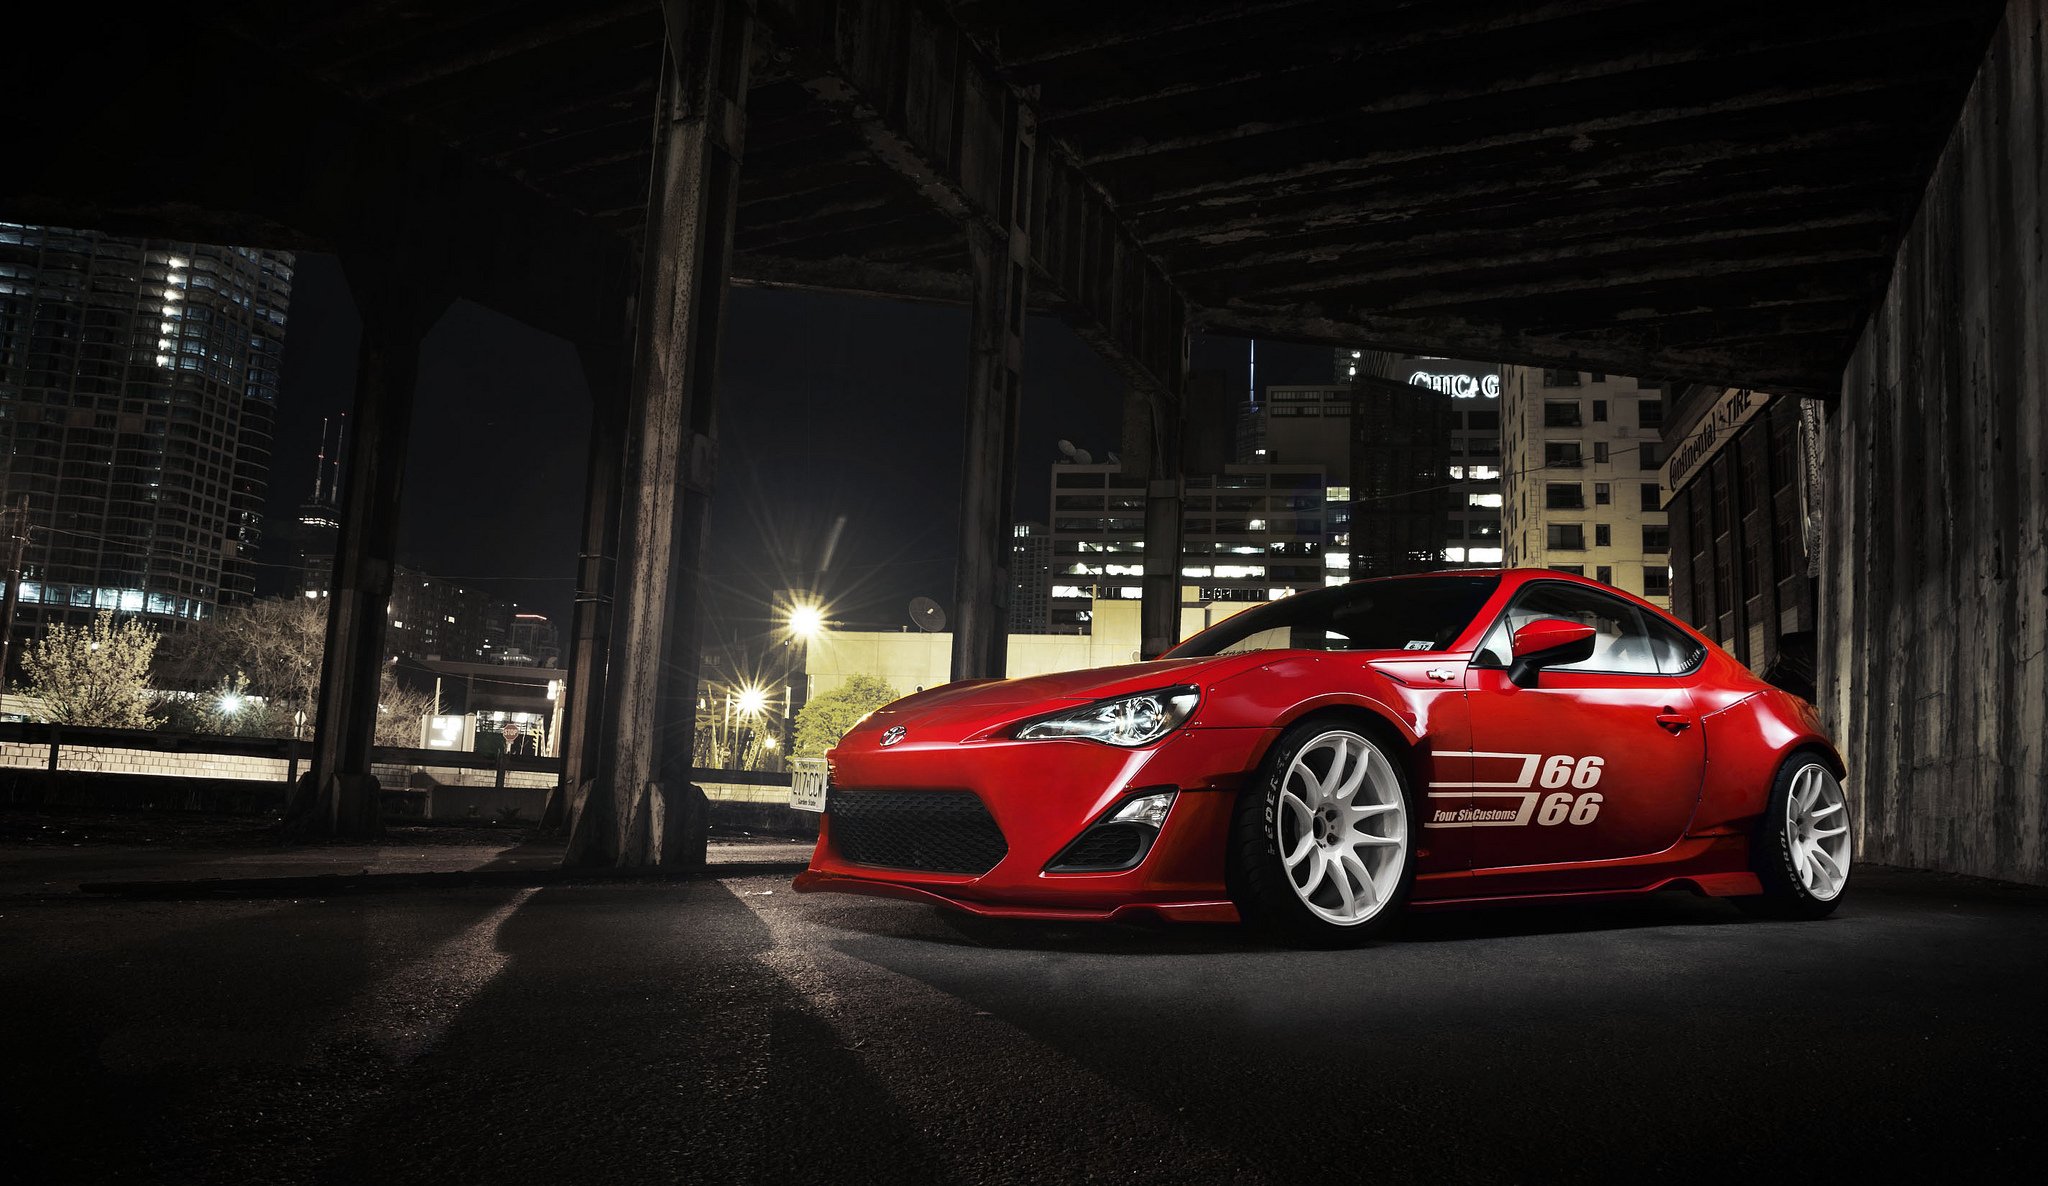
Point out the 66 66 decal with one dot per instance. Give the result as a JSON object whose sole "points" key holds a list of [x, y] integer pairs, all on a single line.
{"points": [[1519, 803]]}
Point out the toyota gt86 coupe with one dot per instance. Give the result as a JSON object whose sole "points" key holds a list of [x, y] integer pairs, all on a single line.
{"points": [[1318, 764]]}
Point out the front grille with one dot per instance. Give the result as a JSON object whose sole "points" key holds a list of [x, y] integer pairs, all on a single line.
{"points": [[936, 831], [1106, 847]]}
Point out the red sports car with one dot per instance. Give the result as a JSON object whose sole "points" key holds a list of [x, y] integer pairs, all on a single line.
{"points": [[1317, 764]]}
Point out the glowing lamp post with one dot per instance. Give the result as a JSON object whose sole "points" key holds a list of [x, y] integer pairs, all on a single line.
{"points": [[806, 623]]}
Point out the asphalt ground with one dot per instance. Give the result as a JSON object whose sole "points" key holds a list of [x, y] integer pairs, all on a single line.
{"points": [[727, 1030]]}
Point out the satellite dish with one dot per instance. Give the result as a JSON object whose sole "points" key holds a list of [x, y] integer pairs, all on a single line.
{"points": [[926, 615], [1083, 457], [1067, 449], [1114, 459]]}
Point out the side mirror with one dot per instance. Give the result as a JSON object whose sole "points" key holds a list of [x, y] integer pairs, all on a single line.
{"points": [[1548, 642]]}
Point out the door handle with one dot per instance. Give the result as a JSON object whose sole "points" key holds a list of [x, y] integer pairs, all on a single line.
{"points": [[1674, 720]]}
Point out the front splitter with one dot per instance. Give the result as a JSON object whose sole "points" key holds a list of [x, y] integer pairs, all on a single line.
{"points": [[811, 881]]}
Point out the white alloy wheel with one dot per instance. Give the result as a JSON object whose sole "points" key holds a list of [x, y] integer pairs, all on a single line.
{"points": [[1817, 831], [1343, 827]]}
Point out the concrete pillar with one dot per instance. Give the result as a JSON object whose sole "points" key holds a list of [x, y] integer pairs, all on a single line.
{"points": [[641, 809], [1001, 264], [338, 795], [607, 369]]}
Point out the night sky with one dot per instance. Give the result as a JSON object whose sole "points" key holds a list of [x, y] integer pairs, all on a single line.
{"points": [[836, 412]]}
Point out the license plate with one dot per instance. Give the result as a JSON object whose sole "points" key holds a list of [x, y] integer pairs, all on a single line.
{"points": [[807, 787]]}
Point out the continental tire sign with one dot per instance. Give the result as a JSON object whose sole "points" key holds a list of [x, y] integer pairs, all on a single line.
{"points": [[1736, 407]]}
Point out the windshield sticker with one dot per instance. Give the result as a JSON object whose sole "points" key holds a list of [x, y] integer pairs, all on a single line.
{"points": [[1420, 645]]}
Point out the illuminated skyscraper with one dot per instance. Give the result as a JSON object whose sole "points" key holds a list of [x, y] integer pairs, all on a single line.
{"points": [[138, 387]]}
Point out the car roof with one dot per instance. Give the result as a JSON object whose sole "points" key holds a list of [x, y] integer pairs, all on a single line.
{"points": [[1517, 577]]}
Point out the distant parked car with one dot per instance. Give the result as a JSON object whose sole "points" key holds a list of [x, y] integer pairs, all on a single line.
{"points": [[1316, 765]]}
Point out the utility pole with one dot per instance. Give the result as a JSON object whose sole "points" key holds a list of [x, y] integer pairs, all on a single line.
{"points": [[17, 520]]}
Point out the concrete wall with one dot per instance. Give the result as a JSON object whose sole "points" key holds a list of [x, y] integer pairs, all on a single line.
{"points": [[1934, 630], [460, 793], [910, 660], [98, 759]]}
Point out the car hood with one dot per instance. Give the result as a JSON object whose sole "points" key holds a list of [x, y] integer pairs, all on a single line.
{"points": [[965, 709]]}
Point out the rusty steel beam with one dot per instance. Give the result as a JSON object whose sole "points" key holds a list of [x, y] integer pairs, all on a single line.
{"points": [[641, 808], [1154, 440], [338, 795], [1562, 268], [1001, 267], [607, 369], [849, 275], [1796, 369], [1634, 53], [334, 174], [1056, 42], [929, 104]]}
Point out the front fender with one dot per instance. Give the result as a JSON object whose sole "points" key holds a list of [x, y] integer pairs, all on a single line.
{"points": [[1276, 695]]}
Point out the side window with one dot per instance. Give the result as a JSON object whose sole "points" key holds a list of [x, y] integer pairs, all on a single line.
{"points": [[1677, 652], [1622, 643]]}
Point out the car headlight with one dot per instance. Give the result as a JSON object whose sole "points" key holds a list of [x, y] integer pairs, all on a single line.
{"points": [[1138, 719]]}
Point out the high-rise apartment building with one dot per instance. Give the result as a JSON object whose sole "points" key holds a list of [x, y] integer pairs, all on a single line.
{"points": [[138, 385], [1583, 454], [1030, 577], [1250, 533], [428, 617], [1424, 474]]}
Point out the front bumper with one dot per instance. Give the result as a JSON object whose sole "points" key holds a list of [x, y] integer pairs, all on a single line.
{"points": [[1042, 795]]}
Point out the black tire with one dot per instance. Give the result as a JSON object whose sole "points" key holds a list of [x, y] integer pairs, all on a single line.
{"points": [[1258, 878], [1771, 856]]}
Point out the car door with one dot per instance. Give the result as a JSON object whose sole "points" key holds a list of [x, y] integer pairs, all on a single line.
{"points": [[1601, 760]]}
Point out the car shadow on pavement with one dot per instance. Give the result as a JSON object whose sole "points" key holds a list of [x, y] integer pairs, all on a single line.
{"points": [[957, 927], [1670, 908], [181, 1042], [634, 1033], [1640, 1040]]}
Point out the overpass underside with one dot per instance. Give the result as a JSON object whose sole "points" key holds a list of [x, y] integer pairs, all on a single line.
{"points": [[1711, 192]]}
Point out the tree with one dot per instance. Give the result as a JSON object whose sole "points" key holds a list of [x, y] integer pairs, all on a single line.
{"points": [[277, 643], [399, 710], [95, 675], [822, 722], [226, 708]]}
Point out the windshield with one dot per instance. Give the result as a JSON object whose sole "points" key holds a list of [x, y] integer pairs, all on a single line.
{"points": [[1401, 614]]}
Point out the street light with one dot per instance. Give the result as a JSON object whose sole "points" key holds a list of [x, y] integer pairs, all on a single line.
{"points": [[806, 620], [753, 700], [230, 703]]}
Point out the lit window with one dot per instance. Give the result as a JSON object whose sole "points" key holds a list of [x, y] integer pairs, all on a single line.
{"points": [[1455, 555], [1482, 500], [1483, 556], [1337, 560]]}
